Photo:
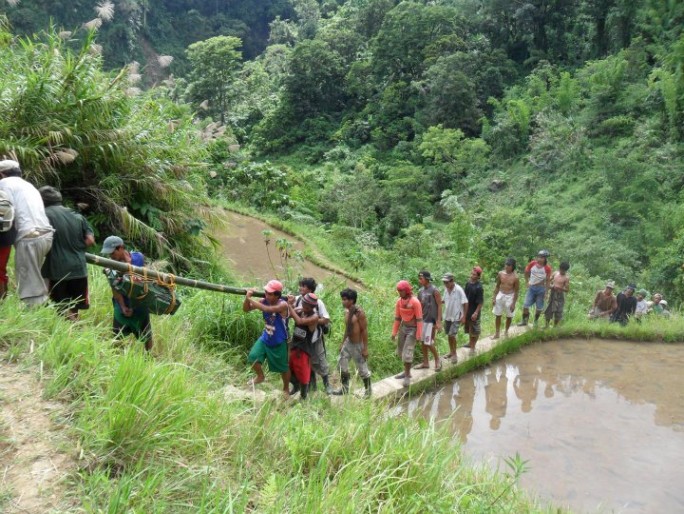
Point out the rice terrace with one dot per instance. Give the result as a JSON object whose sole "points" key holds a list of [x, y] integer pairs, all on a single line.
{"points": [[459, 223]]}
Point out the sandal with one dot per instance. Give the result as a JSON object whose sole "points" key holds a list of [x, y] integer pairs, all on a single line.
{"points": [[422, 366], [400, 376]]}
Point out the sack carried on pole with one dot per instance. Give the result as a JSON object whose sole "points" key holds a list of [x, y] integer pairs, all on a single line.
{"points": [[157, 296]]}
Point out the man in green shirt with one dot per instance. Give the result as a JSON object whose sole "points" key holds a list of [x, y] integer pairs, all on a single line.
{"points": [[65, 266]]}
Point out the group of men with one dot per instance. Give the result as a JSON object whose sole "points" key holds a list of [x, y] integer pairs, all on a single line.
{"points": [[50, 242], [301, 356], [420, 317], [627, 304]]}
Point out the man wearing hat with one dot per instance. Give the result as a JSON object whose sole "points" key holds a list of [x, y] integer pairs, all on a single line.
{"points": [[454, 313], [605, 303], [272, 344], [65, 266], [408, 324], [538, 279], [128, 319], [34, 233], [626, 305]]}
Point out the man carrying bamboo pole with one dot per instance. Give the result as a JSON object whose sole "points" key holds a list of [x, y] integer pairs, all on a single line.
{"points": [[128, 319], [272, 345]]}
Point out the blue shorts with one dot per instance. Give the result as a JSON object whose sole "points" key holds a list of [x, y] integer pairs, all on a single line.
{"points": [[535, 294]]}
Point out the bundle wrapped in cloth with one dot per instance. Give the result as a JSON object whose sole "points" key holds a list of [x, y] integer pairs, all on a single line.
{"points": [[157, 296]]}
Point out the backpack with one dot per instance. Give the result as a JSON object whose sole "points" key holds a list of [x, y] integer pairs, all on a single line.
{"points": [[6, 212]]}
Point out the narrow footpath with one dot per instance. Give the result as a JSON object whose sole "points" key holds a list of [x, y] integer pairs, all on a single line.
{"points": [[34, 453]]}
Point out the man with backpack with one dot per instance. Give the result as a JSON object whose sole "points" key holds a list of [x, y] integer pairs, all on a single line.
{"points": [[34, 233], [319, 360]]}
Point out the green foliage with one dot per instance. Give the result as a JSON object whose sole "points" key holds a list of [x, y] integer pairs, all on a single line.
{"points": [[130, 158], [215, 63]]}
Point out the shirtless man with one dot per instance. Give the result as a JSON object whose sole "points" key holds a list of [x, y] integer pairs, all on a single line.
{"points": [[560, 284], [605, 303], [505, 296], [354, 343]]}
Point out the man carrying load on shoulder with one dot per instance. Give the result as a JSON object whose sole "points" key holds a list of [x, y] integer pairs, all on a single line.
{"points": [[408, 324], [65, 266], [272, 345], [306, 321], [34, 233], [538, 279], [128, 319]]}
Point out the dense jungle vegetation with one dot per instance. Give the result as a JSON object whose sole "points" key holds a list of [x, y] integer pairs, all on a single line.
{"points": [[430, 134], [395, 136]]}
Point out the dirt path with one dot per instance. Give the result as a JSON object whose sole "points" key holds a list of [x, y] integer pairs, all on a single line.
{"points": [[34, 454], [243, 244]]}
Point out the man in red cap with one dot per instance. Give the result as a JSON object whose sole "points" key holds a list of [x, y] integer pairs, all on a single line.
{"points": [[272, 345], [408, 323], [475, 296]]}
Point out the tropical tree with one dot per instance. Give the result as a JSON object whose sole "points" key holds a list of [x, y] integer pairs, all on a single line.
{"points": [[214, 65]]}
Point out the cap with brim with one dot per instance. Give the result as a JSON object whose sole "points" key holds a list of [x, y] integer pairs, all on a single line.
{"points": [[273, 286], [426, 275], [8, 165], [610, 284], [642, 292], [632, 287], [110, 244], [447, 277]]}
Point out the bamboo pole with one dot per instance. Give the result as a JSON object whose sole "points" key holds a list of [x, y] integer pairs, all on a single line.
{"points": [[166, 277]]}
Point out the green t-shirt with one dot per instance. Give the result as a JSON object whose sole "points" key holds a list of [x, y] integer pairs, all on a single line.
{"points": [[66, 259]]}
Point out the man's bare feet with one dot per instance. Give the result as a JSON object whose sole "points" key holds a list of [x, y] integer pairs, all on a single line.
{"points": [[496, 336], [256, 380]]}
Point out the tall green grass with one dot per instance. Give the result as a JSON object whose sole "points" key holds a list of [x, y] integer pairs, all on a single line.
{"points": [[156, 433]]}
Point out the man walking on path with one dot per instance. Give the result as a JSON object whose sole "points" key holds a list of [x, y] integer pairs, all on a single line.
{"points": [[65, 266], [560, 285], [454, 313], [319, 360], [354, 343], [431, 303], [505, 296], [475, 296], [605, 303], [34, 233], [128, 319], [408, 323], [272, 344], [538, 279]]}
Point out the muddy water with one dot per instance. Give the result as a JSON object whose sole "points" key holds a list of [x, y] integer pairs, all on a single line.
{"points": [[601, 422], [243, 244]]}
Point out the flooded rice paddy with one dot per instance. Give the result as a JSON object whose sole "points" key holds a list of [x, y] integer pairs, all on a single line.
{"points": [[600, 422]]}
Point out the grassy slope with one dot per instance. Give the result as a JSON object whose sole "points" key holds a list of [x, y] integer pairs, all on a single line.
{"points": [[158, 435]]}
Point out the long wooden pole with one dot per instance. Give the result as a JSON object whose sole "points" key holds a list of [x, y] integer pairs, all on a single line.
{"points": [[166, 277]]}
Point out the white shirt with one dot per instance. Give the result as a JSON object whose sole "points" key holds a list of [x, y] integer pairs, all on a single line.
{"points": [[29, 212], [453, 303], [641, 308]]}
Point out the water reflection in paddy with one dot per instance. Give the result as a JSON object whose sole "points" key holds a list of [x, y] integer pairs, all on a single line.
{"points": [[601, 422]]}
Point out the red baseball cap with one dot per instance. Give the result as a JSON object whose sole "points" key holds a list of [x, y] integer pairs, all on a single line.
{"points": [[273, 286], [477, 270], [403, 285]]}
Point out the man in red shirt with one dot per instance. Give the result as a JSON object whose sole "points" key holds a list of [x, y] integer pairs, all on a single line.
{"points": [[408, 323], [538, 279]]}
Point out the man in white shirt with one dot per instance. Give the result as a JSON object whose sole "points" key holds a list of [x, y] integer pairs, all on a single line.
{"points": [[34, 233], [454, 312]]}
